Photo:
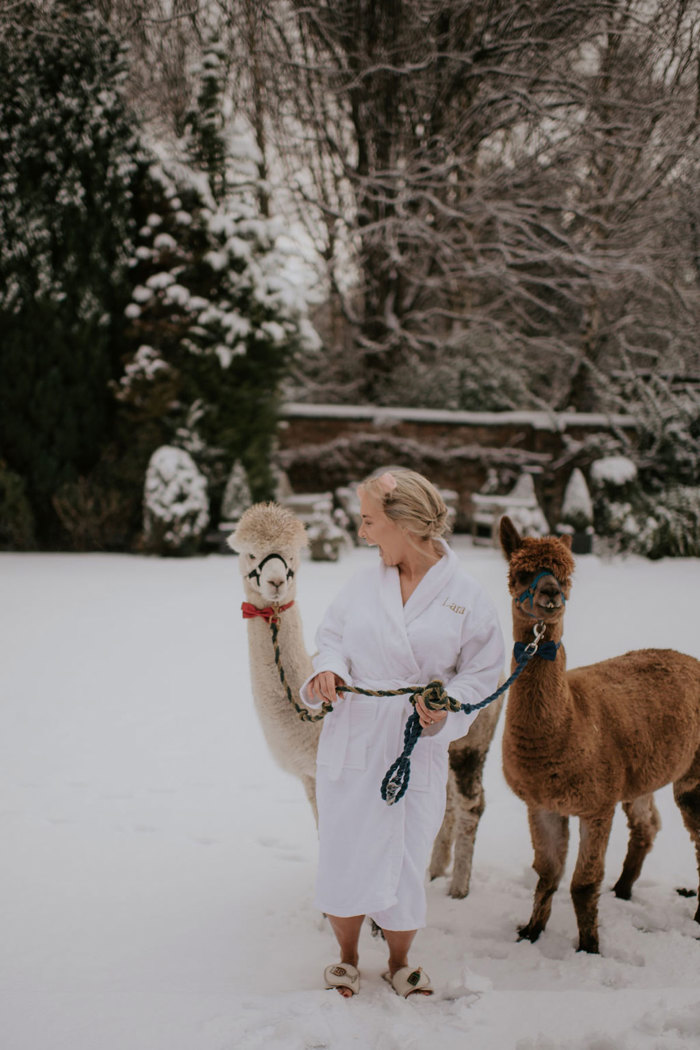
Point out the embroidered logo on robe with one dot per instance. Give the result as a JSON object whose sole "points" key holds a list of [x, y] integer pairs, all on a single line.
{"points": [[459, 609]]}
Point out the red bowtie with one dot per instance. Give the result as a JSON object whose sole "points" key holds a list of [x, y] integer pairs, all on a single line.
{"points": [[250, 611]]}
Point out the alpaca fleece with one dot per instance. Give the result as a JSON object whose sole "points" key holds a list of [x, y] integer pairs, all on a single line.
{"points": [[577, 742]]}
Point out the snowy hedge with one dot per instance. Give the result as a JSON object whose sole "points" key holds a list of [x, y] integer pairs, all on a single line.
{"points": [[69, 164]]}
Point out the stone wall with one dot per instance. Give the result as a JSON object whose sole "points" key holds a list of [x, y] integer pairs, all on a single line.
{"points": [[322, 447]]}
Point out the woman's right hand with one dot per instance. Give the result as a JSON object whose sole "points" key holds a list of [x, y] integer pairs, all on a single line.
{"points": [[322, 687]]}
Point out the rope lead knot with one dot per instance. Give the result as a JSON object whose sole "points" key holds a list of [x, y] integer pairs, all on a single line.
{"points": [[435, 698]]}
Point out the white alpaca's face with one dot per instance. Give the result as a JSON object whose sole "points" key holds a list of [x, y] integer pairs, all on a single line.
{"points": [[270, 573]]}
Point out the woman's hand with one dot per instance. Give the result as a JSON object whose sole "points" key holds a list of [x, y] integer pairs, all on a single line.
{"points": [[323, 686], [429, 720]]}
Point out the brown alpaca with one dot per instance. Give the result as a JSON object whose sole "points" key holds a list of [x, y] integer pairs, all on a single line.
{"points": [[577, 742]]}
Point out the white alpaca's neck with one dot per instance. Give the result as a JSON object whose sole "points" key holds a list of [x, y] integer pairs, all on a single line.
{"points": [[291, 740]]}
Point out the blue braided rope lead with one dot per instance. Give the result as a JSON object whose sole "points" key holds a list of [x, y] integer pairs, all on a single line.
{"points": [[395, 782], [435, 698]]}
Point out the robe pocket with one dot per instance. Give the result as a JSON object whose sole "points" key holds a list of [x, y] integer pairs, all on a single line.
{"points": [[362, 715], [345, 740]]}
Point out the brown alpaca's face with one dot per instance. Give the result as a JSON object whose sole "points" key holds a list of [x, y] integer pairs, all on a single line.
{"points": [[270, 573], [539, 574]]}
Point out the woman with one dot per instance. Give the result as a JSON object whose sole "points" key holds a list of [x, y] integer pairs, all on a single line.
{"points": [[414, 618]]}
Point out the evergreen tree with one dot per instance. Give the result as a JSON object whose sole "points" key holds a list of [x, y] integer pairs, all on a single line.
{"points": [[206, 120], [68, 164], [214, 323]]}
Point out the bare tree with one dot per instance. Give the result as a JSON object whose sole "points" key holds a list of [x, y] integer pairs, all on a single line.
{"points": [[639, 145], [501, 197], [490, 176]]}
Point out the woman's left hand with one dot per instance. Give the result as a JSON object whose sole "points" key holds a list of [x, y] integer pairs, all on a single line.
{"points": [[429, 719]]}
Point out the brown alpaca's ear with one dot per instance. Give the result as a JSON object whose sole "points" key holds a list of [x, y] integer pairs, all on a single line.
{"points": [[511, 539], [566, 539]]}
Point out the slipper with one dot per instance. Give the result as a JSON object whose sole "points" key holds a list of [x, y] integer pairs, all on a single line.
{"points": [[409, 979], [343, 975]]}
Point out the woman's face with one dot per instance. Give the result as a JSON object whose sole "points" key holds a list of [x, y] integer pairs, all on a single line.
{"points": [[379, 531]]}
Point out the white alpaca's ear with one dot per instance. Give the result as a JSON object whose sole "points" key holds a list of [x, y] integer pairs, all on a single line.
{"points": [[511, 539], [231, 542]]}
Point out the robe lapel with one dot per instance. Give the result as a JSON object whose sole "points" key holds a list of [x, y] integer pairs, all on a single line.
{"points": [[397, 648], [430, 586]]}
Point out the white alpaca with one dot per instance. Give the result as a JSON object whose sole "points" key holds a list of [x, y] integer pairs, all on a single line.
{"points": [[269, 539]]}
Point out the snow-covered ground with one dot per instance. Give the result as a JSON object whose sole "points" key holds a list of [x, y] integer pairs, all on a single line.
{"points": [[157, 867]]}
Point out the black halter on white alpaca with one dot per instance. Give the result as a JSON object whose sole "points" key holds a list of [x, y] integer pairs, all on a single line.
{"points": [[255, 573]]}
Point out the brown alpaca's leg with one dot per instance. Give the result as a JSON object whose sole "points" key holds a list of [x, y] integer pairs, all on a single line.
{"points": [[588, 875], [467, 758], [442, 847], [644, 823], [469, 811], [686, 792], [550, 838], [465, 807]]}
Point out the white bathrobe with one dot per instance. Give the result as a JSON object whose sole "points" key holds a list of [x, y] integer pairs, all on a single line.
{"points": [[372, 856]]}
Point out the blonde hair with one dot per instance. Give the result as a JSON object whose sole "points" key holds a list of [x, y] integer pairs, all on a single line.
{"points": [[410, 500]]}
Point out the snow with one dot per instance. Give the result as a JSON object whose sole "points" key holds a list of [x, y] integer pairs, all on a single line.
{"points": [[616, 470], [142, 294], [146, 364], [158, 867], [159, 281], [538, 420], [164, 243]]}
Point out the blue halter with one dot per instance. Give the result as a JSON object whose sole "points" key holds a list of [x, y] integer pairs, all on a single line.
{"points": [[529, 592]]}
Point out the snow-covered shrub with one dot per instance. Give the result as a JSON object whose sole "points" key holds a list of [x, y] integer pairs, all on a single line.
{"points": [[656, 522], [576, 515], [669, 433], [671, 527], [175, 503], [666, 526], [577, 506], [237, 497]]}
